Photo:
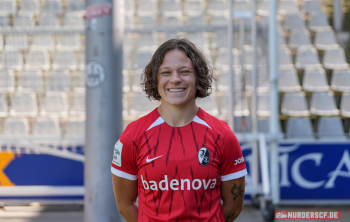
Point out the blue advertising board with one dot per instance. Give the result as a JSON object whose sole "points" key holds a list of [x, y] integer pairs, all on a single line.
{"points": [[308, 170]]}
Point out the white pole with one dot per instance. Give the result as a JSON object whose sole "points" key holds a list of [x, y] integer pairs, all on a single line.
{"points": [[255, 167], [337, 15], [274, 114], [104, 82], [232, 78]]}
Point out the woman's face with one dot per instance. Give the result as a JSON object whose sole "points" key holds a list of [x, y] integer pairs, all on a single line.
{"points": [[176, 79]]}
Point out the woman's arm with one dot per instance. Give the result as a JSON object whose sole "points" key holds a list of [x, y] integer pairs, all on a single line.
{"points": [[125, 192], [232, 195]]}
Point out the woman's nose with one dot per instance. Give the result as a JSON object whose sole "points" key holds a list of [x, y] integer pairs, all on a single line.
{"points": [[175, 77]]}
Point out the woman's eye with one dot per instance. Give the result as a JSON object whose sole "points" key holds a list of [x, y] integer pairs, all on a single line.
{"points": [[185, 71]]}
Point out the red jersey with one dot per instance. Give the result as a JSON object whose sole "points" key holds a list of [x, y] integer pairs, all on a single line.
{"points": [[179, 169]]}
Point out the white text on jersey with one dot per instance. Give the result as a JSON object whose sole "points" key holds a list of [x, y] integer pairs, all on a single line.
{"points": [[174, 184]]}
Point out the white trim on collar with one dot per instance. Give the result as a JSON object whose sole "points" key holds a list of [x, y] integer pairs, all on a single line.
{"points": [[196, 119], [159, 121], [200, 121]]}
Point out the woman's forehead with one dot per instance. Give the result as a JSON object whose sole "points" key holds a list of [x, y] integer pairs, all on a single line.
{"points": [[176, 58]]}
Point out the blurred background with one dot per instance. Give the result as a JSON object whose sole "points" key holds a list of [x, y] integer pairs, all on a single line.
{"points": [[43, 80]]}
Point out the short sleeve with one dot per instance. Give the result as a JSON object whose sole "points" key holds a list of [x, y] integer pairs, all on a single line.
{"points": [[232, 160], [123, 162]]}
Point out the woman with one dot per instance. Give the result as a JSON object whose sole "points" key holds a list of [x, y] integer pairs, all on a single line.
{"points": [[178, 160]]}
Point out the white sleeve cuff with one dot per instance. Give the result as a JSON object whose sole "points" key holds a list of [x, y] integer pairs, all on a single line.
{"points": [[122, 174], [233, 176]]}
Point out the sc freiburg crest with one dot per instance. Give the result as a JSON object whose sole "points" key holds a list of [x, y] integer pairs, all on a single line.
{"points": [[204, 156]]}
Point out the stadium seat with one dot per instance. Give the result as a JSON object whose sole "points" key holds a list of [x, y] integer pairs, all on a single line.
{"points": [[59, 80], [171, 7], [281, 39], [146, 21], [7, 80], [47, 128], [242, 124], [219, 40], [293, 21], [75, 129], [223, 82], [55, 104], [127, 60], [146, 41], [136, 81], [37, 59], [3, 105], [4, 21], [8, 7], [200, 39], [241, 5], [129, 21], [294, 104], [335, 58], [17, 41], [49, 20], [325, 39], [222, 58], [306, 57], [217, 7], [340, 80], [208, 104], [263, 8], [298, 38], [330, 128], [317, 21], [30, 6], [44, 41], [315, 80], [311, 6], [139, 104], [263, 108], [142, 59], [194, 7], [75, 5], [263, 125], [126, 81], [24, 20], [129, 7], [16, 127], [323, 104], [65, 59], [12, 59], [197, 20], [69, 42], [78, 106], [218, 20], [53, 6], [288, 80], [263, 79], [299, 128], [284, 57], [147, 7], [345, 104], [74, 19], [168, 35], [287, 7], [171, 20], [24, 104], [248, 57], [31, 81], [240, 105], [79, 81]]}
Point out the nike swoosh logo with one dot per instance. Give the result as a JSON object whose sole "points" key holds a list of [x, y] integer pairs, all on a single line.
{"points": [[150, 160]]}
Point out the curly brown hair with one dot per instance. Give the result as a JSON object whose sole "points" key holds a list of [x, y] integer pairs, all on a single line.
{"points": [[202, 67]]}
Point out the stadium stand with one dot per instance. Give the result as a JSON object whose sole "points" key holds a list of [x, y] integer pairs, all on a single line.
{"points": [[42, 74]]}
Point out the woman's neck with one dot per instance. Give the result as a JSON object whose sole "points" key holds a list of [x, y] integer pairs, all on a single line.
{"points": [[177, 116]]}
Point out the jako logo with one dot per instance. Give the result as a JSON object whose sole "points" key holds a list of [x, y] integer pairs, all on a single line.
{"points": [[174, 184]]}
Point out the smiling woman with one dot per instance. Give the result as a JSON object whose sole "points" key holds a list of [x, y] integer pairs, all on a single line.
{"points": [[178, 160]]}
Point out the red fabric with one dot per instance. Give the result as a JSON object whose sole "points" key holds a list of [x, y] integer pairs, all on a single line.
{"points": [[174, 154]]}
